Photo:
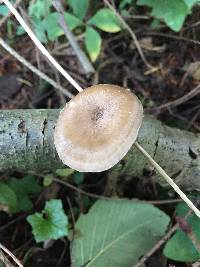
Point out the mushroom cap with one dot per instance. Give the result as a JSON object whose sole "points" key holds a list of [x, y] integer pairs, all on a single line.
{"points": [[97, 127]]}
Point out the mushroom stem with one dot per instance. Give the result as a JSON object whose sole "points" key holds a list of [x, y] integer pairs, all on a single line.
{"points": [[40, 46], [168, 179]]}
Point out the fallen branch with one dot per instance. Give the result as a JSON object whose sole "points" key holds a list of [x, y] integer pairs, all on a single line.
{"points": [[26, 144]]}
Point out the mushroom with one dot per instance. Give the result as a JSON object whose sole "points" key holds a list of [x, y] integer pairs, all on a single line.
{"points": [[97, 127]]}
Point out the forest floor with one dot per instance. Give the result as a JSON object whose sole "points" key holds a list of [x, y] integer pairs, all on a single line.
{"points": [[173, 76]]}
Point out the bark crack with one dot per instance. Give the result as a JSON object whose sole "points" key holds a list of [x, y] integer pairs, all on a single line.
{"points": [[156, 147], [43, 132]]}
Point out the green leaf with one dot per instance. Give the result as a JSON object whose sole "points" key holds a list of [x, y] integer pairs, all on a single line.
{"points": [[123, 3], [39, 8], [39, 29], [23, 188], [181, 247], [4, 10], [53, 28], [20, 30], [8, 199], [92, 43], [64, 172], [52, 223], [80, 8], [116, 233], [190, 3], [48, 179], [172, 12], [106, 20], [2, 264]]}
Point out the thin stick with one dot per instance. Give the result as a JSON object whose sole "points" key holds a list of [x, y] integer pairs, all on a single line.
{"points": [[40, 46], [84, 61], [34, 69], [134, 37], [180, 100], [11, 255], [168, 179], [3, 259], [160, 242], [157, 246], [79, 190]]}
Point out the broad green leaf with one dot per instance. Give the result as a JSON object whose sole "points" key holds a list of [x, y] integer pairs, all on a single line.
{"points": [[181, 247], [4, 10], [23, 188], [39, 8], [8, 199], [116, 233], [79, 7], [64, 172], [92, 43], [53, 28], [106, 20], [172, 12], [52, 223]]}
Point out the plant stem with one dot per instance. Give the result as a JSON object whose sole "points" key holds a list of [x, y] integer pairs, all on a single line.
{"points": [[168, 179], [40, 46], [81, 56]]}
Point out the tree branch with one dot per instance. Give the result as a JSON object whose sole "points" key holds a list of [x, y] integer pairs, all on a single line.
{"points": [[26, 144]]}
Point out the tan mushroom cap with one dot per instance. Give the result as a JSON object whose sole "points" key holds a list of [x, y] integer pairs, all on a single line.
{"points": [[97, 127]]}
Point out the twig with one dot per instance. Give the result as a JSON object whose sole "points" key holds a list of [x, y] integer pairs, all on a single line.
{"points": [[159, 244], [79, 190], [2, 228], [171, 36], [3, 259], [126, 26], [34, 69], [11, 255], [4, 19], [180, 100], [40, 46], [85, 63], [168, 179]]}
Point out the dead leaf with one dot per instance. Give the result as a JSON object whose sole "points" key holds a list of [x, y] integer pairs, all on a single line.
{"points": [[146, 43], [194, 70]]}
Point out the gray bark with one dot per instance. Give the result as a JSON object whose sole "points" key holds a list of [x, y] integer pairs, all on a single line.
{"points": [[26, 144]]}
